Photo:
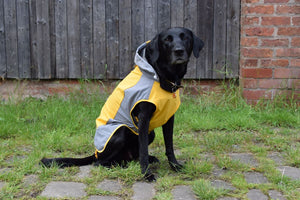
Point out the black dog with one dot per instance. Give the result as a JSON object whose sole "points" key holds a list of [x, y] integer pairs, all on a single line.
{"points": [[147, 98]]}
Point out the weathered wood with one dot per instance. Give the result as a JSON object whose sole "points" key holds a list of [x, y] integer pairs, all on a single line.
{"points": [[232, 39], [138, 24], [43, 40], [177, 13], [205, 31], [73, 37], [112, 38], [97, 39], [219, 38], [163, 14], [99, 31], [190, 22], [61, 41], [23, 38], [11, 42], [2, 44], [150, 19], [86, 45], [33, 39], [125, 58]]}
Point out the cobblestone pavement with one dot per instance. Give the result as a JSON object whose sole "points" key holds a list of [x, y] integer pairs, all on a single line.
{"points": [[145, 191]]}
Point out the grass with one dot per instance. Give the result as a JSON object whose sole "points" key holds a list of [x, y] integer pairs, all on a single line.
{"points": [[208, 128]]}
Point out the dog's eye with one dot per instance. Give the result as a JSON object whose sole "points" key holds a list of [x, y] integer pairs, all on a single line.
{"points": [[169, 38], [182, 36]]}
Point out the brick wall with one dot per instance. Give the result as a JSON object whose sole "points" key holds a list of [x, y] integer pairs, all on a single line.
{"points": [[270, 49]]}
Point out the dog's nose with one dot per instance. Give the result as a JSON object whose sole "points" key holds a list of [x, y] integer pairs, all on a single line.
{"points": [[179, 52]]}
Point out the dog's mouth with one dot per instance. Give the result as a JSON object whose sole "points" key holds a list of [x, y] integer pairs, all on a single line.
{"points": [[180, 61]]}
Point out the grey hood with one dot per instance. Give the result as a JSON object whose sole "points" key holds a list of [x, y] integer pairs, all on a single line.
{"points": [[141, 61]]}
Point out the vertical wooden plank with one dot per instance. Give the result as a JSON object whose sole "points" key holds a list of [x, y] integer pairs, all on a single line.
{"points": [[125, 58], [205, 30], [52, 38], [99, 39], [177, 13], [33, 39], [138, 24], [112, 38], [73, 35], [164, 14], [86, 43], [61, 57], [190, 22], [233, 39], [23, 38], [150, 19], [43, 39], [10, 20], [219, 38], [2, 42]]}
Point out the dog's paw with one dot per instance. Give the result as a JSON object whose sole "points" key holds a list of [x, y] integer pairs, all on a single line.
{"points": [[153, 159], [176, 166], [150, 177]]}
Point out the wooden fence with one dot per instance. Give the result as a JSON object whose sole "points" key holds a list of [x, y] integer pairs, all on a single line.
{"points": [[97, 39]]}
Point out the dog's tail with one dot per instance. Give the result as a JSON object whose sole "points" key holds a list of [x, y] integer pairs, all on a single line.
{"points": [[68, 162]]}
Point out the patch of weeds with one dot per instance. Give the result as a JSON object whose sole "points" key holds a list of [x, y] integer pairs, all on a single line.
{"points": [[195, 168], [204, 190]]}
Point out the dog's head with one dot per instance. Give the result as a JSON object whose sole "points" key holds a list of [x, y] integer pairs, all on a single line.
{"points": [[169, 52]]}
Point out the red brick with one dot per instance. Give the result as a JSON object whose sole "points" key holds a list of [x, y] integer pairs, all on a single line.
{"points": [[295, 63], [276, 1], [287, 73], [296, 41], [251, 1], [275, 42], [275, 21], [257, 73], [249, 42], [257, 94], [247, 20], [293, 52], [249, 83], [275, 63], [296, 21], [249, 62], [260, 9], [289, 31], [257, 53], [259, 31], [273, 83], [291, 9]]}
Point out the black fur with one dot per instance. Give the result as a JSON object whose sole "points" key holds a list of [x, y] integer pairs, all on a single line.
{"points": [[168, 53]]}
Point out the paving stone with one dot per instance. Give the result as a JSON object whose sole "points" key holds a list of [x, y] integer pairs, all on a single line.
{"points": [[277, 158], [183, 192], [274, 194], [110, 185], [143, 191], [64, 189], [256, 195], [222, 185], [227, 198], [84, 171], [244, 158], [255, 178], [2, 184], [217, 172], [104, 198], [291, 172], [30, 179]]}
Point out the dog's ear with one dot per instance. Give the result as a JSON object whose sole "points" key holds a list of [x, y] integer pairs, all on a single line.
{"points": [[198, 44], [152, 50]]}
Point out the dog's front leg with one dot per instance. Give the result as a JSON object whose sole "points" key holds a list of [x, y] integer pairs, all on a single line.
{"points": [[168, 137], [144, 116]]}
